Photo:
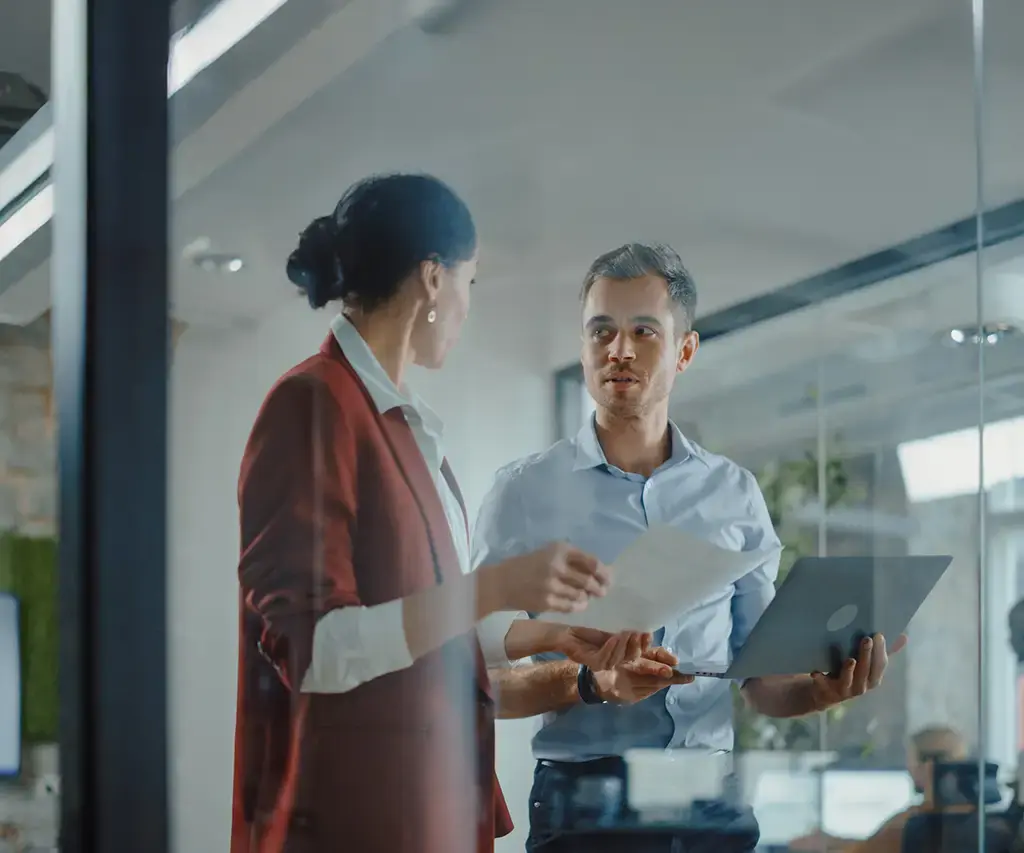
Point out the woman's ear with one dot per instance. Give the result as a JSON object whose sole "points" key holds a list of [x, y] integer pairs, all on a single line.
{"points": [[431, 279]]}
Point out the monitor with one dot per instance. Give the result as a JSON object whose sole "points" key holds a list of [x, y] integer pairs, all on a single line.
{"points": [[855, 803], [786, 805], [10, 687]]}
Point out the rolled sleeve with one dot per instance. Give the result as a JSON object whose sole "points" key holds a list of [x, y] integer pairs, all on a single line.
{"points": [[354, 645], [296, 515], [752, 594], [492, 632], [754, 591]]}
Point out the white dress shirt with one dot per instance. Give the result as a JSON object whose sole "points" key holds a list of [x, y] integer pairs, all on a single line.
{"points": [[353, 645]]}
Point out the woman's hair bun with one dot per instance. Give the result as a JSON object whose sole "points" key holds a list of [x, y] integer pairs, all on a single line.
{"points": [[314, 266], [381, 230]]}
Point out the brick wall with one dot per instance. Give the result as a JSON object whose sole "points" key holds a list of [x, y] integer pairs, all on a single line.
{"points": [[28, 445], [28, 481]]}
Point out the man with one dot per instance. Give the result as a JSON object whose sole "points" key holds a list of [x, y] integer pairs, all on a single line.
{"points": [[626, 468], [928, 747]]}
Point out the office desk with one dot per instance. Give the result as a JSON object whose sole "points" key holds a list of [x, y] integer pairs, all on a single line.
{"points": [[711, 828]]}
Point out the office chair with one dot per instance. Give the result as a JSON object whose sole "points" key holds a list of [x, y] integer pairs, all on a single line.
{"points": [[957, 833], [953, 827]]}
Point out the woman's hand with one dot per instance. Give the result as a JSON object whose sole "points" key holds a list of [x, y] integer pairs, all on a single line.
{"points": [[597, 649], [556, 579], [600, 650]]}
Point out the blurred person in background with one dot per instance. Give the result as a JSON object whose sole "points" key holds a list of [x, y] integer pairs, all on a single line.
{"points": [[928, 747]]}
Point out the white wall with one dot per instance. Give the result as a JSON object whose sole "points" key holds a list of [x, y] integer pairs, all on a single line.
{"points": [[495, 397]]}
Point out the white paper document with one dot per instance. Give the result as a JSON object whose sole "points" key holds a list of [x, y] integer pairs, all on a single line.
{"points": [[662, 573]]}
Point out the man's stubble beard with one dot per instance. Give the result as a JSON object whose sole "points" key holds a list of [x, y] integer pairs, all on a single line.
{"points": [[629, 409]]}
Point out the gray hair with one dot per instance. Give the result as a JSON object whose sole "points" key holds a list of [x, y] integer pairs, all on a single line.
{"points": [[635, 260]]}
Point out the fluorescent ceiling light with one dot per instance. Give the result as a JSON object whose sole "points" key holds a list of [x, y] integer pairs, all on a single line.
{"points": [[215, 34], [26, 220], [191, 51], [946, 466], [27, 168]]}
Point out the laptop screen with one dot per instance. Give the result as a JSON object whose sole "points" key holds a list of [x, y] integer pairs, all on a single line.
{"points": [[786, 805], [855, 803]]}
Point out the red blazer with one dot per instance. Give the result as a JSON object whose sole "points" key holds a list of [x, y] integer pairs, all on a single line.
{"points": [[338, 509]]}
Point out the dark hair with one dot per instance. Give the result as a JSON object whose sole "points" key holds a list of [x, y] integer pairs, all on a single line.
{"points": [[381, 230], [635, 260]]}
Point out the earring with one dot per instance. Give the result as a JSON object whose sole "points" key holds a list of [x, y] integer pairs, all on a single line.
{"points": [[431, 315]]}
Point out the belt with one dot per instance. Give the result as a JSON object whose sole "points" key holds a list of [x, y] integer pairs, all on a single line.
{"points": [[612, 765]]}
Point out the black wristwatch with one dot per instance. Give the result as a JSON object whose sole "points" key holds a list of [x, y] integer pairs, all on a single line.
{"points": [[586, 688]]}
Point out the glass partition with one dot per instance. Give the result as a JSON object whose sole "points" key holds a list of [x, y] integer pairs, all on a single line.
{"points": [[821, 170], [814, 167]]}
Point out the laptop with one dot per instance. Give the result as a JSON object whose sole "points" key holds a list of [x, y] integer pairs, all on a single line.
{"points": [[822, 611]]}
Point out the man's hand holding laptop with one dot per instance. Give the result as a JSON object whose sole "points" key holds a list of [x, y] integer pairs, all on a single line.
{"points": [[797, 695], [857, 675]]}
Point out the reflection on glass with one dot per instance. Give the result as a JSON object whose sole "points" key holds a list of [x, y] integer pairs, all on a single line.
{"points": [[828, 231], [787, 805], [947, 465], [854, 804], [10, 687]]}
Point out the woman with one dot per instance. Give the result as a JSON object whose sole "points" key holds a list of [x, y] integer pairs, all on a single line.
{"points": [[365, 717]]}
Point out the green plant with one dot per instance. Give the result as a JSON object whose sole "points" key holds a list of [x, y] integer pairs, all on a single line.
{"points": [[28, 570], [788, 486]]}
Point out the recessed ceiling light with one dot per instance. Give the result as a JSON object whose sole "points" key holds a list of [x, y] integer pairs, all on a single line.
{"points": [[218, 263], [988, 334]]}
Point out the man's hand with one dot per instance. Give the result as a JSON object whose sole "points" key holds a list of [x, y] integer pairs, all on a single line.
{"points": [[600, 650], [636, 680], [858, 675]]}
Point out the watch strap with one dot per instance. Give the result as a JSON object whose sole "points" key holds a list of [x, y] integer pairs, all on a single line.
{"points": [[586, 688]]}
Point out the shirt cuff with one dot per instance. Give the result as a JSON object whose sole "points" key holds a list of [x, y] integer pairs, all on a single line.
{"points": [[353, 645], [382, 635], [491, 631]]}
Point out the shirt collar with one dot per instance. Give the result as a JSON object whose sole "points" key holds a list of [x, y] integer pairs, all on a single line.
{"points": [[385, 395], [590, 454]]}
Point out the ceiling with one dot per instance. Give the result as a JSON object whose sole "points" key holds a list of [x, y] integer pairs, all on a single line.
{"points": [[25, 45], [25, 40], [766, 141]]}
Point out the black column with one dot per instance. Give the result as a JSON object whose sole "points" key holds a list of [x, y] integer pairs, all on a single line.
{"points": [[110, 296]]}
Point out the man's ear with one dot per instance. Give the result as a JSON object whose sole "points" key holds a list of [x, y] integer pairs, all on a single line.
{"points": [[690, 345]]}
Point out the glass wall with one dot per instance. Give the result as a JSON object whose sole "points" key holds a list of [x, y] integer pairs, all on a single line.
{"points": [[820, 168], [29, 703], [859, 389]]}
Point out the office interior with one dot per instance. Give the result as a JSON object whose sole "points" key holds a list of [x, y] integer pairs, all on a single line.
{"points": [[822, 168]]}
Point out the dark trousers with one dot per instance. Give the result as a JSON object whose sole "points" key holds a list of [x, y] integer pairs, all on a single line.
{"points": [[553, 826]]}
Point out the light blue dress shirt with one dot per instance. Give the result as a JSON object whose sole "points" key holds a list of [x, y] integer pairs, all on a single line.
{"points": [[571, 493]]}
